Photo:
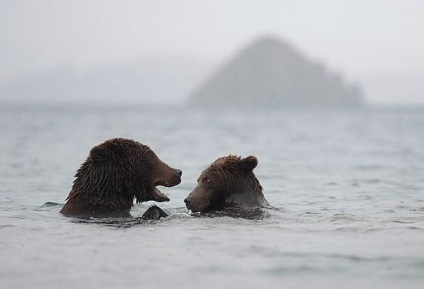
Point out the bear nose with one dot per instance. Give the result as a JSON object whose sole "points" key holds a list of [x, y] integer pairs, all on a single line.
{"points": [[179, 172], [187, 201]]}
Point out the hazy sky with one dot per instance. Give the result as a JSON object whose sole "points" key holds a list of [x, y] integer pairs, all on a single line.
{"points": [[379, 43]]}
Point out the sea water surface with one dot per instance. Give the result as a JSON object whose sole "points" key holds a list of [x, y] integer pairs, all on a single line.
{"points": [[347, 189]]}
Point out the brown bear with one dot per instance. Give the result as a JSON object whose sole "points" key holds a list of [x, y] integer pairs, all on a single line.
{"points": [[229, 182], [116, 172]]}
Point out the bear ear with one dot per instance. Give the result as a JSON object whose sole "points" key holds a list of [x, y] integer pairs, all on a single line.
{"points": [[99, 153], [248, 163]]}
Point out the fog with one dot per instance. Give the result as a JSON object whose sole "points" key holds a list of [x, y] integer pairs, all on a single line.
{"points": [[155, 51], [327, 95]]}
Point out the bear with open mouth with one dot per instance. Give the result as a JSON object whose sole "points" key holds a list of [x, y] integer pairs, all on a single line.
{"points": [[115, 173], [228, 183]]}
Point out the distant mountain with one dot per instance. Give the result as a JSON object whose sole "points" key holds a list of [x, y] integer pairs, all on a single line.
{"points": [[154, 80], [270, 72]]}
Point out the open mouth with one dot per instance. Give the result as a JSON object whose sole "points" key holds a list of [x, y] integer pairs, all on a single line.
{"points": [[158, 196], [151, 193], [154, 194]]}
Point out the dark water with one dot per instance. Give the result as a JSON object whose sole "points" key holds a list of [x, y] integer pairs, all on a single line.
{"points": [[347, 187]]}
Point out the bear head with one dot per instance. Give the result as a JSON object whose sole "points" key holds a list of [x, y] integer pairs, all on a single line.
{"points": [[116, 172], [227, 182]]}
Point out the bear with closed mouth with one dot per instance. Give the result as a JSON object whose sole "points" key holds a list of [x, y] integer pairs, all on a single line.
{"points": [[115, 173], [229, 182]]}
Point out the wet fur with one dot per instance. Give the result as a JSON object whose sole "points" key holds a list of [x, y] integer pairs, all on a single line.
{"points": [[115, 172], [229, 182]]}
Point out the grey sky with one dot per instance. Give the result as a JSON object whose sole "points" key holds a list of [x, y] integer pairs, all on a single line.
{"points": [[370, 41]]}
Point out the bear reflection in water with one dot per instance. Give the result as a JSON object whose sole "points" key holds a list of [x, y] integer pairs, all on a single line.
{"points": [[115, 173], [228, 187]]}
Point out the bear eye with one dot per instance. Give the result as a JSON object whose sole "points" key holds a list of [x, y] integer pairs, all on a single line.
{"points": [[206, 180]]}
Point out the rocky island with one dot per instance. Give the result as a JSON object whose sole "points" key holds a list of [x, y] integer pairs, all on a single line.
{"points": [[271, 73]]}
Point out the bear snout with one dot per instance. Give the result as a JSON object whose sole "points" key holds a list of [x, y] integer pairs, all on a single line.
{"points": [[195, 202], [172, 177], [178, 172], [176, 179], [187, 201]]}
